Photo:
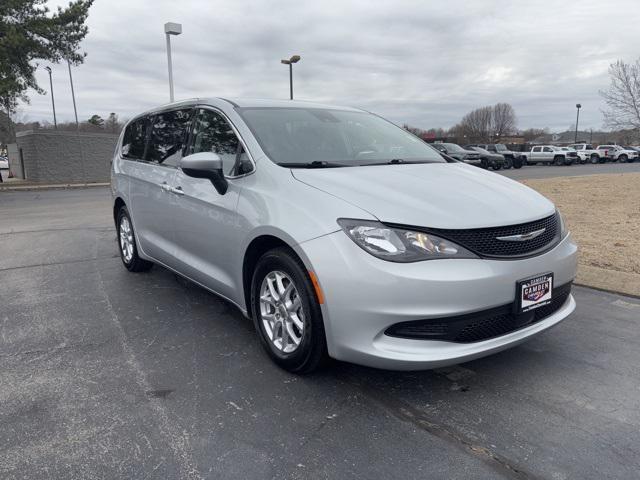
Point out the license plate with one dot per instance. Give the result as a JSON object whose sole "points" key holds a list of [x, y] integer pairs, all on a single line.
{"points": [[534, 292]]}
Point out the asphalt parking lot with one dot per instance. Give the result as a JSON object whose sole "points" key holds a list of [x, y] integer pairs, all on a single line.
{"points": [[107, 374], [550, 171]]}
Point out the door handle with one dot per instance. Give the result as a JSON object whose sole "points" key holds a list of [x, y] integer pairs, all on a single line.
{"points": [[165, 187], [177, 190]]}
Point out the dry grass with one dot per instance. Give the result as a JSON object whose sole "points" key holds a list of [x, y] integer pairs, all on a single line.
{"points": [[603, 214]]}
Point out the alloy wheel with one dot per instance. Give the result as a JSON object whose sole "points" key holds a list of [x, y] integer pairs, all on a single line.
{"points": [[126, 239], [281, 312]]}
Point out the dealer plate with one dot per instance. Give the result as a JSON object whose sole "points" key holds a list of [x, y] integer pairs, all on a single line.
{"points": [[534, 292]]}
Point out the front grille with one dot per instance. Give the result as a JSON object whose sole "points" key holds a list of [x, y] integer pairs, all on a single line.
{"points": [[478, 326], [484, 242]]}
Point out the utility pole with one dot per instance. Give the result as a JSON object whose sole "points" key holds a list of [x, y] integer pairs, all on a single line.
{"points": [[53, 102], [73, 95], [578, 106], [171, 28], [290, 62]]}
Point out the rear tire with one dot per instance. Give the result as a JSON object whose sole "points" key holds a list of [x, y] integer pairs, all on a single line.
{"points": [[127, 243], [518, 162], [287, 314]]}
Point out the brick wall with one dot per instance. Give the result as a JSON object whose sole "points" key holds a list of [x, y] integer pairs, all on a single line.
{"points": [[66, 157]]}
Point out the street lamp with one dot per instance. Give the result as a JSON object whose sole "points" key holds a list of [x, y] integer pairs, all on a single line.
{"points": [[290, 62], [171, 28], [575, 138], [53, 102], [73, 94]]}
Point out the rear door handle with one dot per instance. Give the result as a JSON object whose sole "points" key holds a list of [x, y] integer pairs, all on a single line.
{"points": [[165, 187]]}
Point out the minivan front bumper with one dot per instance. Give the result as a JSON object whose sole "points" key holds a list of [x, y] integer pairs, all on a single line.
{"points": [[364, 296]]}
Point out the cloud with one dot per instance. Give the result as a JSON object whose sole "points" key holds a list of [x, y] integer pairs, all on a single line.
{"points": [[421, 62]]}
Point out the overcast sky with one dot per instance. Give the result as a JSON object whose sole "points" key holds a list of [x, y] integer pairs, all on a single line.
{"points": [[425, 63]]}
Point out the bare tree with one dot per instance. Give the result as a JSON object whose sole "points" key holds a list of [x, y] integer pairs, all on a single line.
{"points": [[623, 96], [476, 126], [486, 124], [504, 119], [112, 124]]}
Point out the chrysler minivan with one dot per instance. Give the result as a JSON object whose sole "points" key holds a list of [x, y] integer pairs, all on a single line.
{"points": [[339, 234]]}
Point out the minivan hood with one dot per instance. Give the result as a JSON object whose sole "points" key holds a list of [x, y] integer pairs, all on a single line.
{"points": [[436, 195]]}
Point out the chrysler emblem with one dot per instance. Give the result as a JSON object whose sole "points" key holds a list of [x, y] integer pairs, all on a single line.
{"points": [[522, 237]]}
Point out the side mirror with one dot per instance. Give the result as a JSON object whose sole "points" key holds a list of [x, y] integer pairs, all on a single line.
{"points": [[206, 165]]}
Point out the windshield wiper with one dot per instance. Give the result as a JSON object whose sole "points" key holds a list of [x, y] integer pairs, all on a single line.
{"points": [[314, 164], [393, 161]]}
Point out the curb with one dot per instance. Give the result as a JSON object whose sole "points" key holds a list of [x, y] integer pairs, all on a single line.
{"points": [[605, 290], [612, 281]]}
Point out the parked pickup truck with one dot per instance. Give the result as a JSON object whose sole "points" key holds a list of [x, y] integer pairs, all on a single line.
{"points": [[616, 153], [511, 158], [587, 153], [550, 154]]}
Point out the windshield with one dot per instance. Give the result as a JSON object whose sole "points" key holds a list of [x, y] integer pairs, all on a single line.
{"points": [[452, 147], [326, 137], [479, 150]]}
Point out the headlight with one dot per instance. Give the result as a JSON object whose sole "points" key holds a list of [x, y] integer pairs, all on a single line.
{"points": [[563, 226], [400, 245]]}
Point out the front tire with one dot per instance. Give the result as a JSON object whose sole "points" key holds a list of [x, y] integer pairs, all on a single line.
{"points": [[622, 158], [508, 163], [127, 243], [286, 312], [559, 160]]}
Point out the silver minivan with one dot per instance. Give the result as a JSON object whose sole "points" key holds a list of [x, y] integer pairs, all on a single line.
{"points": [[340, 234]]}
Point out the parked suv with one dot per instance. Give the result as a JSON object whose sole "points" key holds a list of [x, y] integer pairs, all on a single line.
{"points": [[512, 159], [340, 234], [489, 159], [462, 154]]}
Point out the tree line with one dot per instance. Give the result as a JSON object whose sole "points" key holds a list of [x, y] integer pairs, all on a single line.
{"points": [[95, 123], [491, 123]]}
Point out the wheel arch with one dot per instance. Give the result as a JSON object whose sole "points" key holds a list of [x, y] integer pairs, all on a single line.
{"points": [[118, 203], [256, 248]]}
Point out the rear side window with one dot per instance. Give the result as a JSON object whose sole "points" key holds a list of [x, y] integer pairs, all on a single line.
{"points": [[169, 132], [536, 149], [134, 139]]}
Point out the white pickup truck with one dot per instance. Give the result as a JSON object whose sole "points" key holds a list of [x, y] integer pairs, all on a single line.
{"points": [[588, 153], [550, 154], [616, 153]]}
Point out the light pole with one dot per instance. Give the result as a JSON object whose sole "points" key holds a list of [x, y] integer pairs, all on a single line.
{"points": [[73, 94], [290, 62], [53, 102], [171, 28], [575, 138]]}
